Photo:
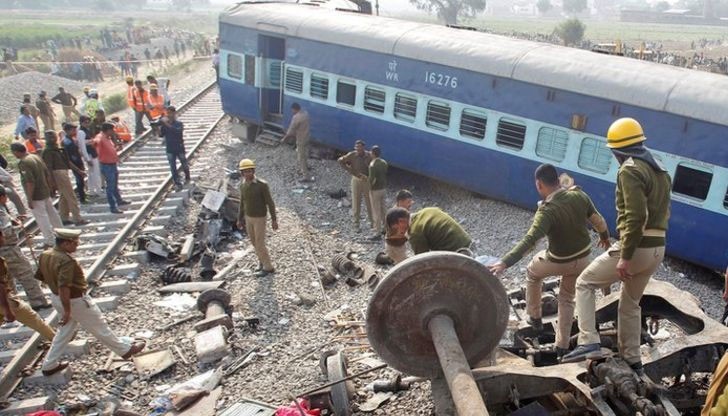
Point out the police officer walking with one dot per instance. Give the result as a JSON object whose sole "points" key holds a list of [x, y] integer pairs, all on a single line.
{"points": [[643, 210], [357, 164], [299, 129], [15, 261], [255, 200], [68, 286], [561, 218]]}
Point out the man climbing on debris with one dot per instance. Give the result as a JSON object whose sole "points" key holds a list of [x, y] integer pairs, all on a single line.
{"points": [[172, 130], [255, 200], [357, 163], [65, 278], [430, 229], [561, 217], [12, 307], [15, 261], [643, 210], [299, 130]]}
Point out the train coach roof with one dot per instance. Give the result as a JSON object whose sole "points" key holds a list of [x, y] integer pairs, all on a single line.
{"points": [[696, 94]]}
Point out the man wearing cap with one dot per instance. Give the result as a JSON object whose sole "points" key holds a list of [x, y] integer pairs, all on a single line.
{"points": [[139, 105], [67, 282], [68, 102], [643, 210], [17, 264], [92, 104], [57, 161], [377, 190], [108, 158], [562, 218], [46, 111], [357, 163], [25, 121], [35, 179], [155, 107], [163, 85], [172, 130], [299, 129], [255, 200], [12, 308]]}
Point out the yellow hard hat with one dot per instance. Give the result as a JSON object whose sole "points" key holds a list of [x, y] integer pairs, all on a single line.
{"points": [[86, 88], [153, 86], [129, 78], [625, 132], [246, 164]]}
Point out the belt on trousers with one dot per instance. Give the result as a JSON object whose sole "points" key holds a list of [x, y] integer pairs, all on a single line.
{"points": [[653, 232]]}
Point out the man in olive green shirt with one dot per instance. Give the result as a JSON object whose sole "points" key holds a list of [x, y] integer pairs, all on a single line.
{"points": [[562, 218], [357, 164], [57, 161], [377, 190], [68, 285], [643, 211], [429, 229], [255, 200]]}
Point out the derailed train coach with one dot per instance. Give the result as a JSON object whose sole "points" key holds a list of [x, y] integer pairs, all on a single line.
{"points": [[482, 111]]}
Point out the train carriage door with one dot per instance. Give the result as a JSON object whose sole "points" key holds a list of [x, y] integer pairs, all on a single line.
{"points": [[270, 67]]}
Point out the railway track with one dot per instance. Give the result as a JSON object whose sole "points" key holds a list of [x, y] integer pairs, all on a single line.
{"points": [[145, 181]]}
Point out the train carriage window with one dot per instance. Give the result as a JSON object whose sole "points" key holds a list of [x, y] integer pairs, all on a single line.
{"points": [[294, 80], [235, 66], [551, 143], [274, 73], [374, 100], [692, 182], [511, 133], [438, 115], [250, 69], [594, 155], [405, 107], [345, 93], [472, 124], [319, 86]]}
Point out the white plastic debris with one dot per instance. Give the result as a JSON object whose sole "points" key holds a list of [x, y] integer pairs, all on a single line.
{"points": [[180, 302]]}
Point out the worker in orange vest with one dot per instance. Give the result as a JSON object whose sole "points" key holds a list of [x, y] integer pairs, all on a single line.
{"points": [[155, 107], [130, 91], [139, 105], [121, 129]]}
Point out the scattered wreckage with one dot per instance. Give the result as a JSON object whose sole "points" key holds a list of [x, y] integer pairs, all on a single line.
{"points": [[443, 316]]}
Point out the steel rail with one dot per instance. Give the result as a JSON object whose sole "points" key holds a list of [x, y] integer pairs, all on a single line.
{"points": [[10, 376]]}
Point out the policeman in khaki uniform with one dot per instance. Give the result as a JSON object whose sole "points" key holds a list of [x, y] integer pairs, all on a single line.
{"points": [[429, 229], [643, 210], [357, 163], [17, 264], [12, 308], [562, 218], [255, 200], [65, 278]]}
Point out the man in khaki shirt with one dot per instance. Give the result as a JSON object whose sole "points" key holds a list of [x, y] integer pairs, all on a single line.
{"points": [[357, 164], [299, 129], [67, 283]]}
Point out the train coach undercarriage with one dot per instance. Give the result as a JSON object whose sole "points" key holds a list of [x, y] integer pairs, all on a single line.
{"points": [[439, 316]]}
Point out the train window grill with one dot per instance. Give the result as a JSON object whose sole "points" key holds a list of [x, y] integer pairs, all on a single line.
{"points": [[294, 80], [551, 143], [692, 182], [235, 66], [405, 107], [345, 93], [319, 86], [510, 134], [250, 69], [274, 73], [594, 155], [374, 100], [472, 124], [438, 115]]}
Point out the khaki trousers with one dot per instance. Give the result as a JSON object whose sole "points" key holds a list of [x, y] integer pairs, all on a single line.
{"points": [[255, 226], [540, 268], [378, 209], [359, 188], [49, 123], [602, 272], [302, 157], [70, 113], [85, 313], [47, 219], [28, 317], [20, 268], [68, 204]]}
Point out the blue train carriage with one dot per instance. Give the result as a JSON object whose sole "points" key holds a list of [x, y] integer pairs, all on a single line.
{"points": [[482, 111]]}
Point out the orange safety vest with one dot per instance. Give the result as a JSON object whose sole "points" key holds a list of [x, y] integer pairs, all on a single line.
{"points": [[122, 131], [130, 95], [139, 100], [32, 148], [157, 104]]}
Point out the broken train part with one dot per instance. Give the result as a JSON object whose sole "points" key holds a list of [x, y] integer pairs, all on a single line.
{"points": [[215, 304], [175, 274]]}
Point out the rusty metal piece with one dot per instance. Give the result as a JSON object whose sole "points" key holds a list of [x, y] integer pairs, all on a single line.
{"points": [[623, 384], [341, 393], [394, 384], [207, 261], [433, 284], [214, 303], [342, 264], [175, 274], [383, 259]]}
